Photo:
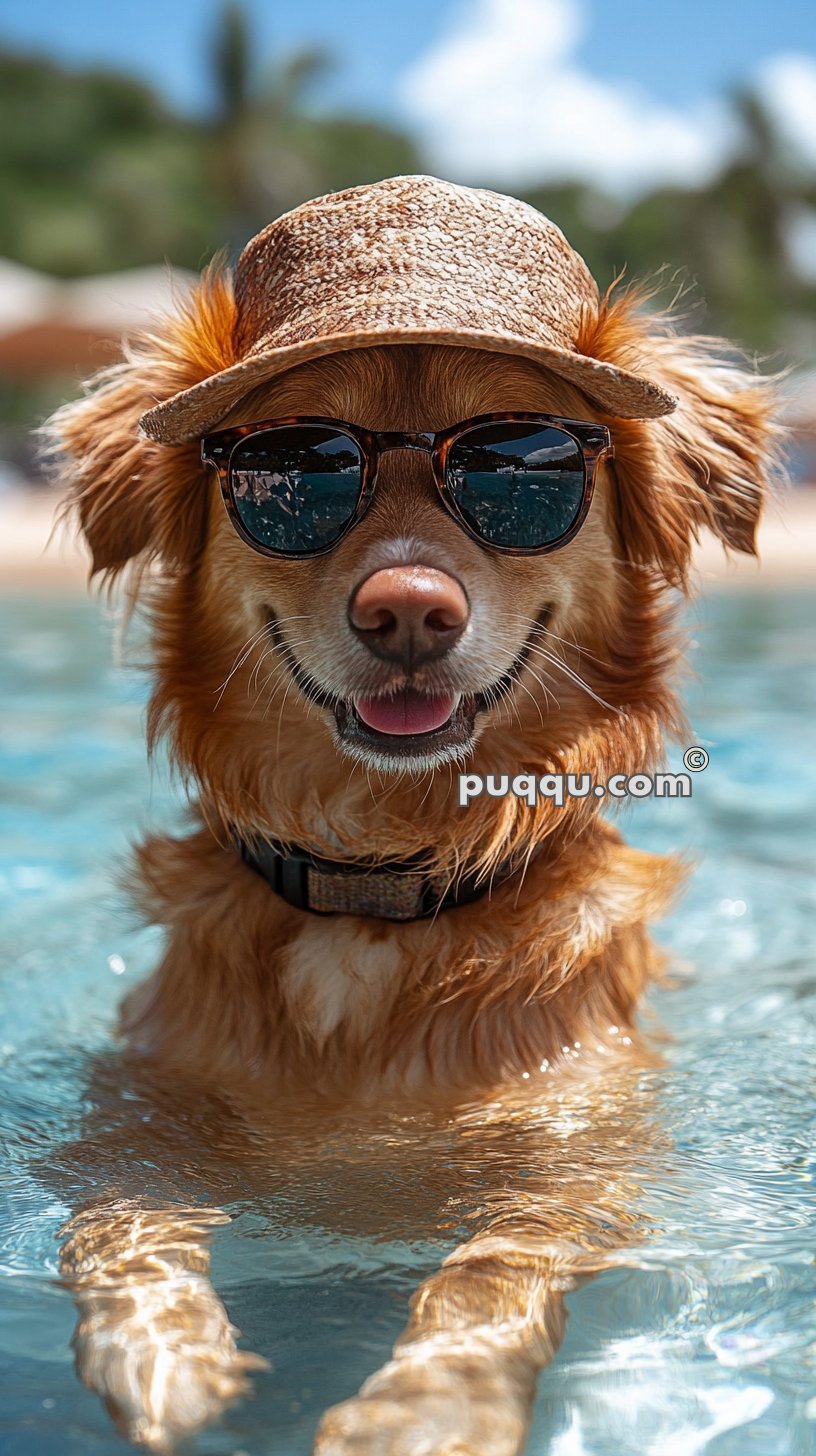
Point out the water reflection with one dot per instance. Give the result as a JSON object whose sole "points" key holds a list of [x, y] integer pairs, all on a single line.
{"points": [[699, 1332], [536, 1193]]}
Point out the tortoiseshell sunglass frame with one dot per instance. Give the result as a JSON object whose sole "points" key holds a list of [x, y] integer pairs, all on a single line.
{"points": [[594, 442]]}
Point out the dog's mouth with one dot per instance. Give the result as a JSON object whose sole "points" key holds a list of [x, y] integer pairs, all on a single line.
{"points": [[408, 726]]}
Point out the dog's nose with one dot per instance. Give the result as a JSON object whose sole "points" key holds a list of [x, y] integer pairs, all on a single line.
{"points": [[409, 614]]}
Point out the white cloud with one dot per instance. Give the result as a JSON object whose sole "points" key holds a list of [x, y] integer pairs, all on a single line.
{"points": [[501, 97], [787, 85]]}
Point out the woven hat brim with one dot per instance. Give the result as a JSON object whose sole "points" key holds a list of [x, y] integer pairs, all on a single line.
{"points": [[195, 411]]}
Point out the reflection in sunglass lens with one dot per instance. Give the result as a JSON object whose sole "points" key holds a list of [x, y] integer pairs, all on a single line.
{"points": [[296, 487], [517, 485]]}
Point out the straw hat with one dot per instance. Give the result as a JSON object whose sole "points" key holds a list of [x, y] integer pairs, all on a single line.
{"points": [[407, 261]]}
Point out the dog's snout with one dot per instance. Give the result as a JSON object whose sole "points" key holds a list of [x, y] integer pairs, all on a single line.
{"points": [[409, 614]]}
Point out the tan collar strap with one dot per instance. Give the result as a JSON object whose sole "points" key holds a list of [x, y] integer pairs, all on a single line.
{"points": [[391, 890]]}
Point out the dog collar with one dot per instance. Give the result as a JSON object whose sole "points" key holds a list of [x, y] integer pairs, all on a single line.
{"points": [[398, 889]]}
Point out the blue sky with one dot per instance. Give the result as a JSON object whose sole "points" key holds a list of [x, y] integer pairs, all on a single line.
{"points": [[628, 93], [679, 51]]}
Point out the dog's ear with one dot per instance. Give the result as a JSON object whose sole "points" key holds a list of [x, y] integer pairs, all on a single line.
{"points": [[132, 497], [707, 464]]}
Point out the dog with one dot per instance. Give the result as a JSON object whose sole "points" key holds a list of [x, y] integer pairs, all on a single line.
{"points": [[340, 931]]}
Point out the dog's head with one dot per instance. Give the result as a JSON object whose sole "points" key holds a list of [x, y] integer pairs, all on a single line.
{"points": [[287, 684]]}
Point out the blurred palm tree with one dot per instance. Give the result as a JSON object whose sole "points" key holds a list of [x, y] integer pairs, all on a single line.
{"points": [[98, 172], [746, 224], [269, 151], [724, 248]]}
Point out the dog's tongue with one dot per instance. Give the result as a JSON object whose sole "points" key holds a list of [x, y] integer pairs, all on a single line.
{"points": [[406, 712]]}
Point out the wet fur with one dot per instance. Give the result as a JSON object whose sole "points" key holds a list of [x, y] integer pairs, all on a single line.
{"points": [[542, 980], [489, 991]]}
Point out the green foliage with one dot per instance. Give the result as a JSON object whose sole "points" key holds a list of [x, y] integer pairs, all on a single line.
{"points": [[95, 173], [98, 173]]}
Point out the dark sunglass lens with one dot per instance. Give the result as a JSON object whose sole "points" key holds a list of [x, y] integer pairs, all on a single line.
{"points": [[517, 485], [296, 487]]}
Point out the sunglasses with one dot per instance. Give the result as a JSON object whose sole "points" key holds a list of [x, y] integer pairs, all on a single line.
{"points": [[518, 483]]}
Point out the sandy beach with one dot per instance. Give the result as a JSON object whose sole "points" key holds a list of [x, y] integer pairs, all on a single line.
{"points": [[37, 556]]}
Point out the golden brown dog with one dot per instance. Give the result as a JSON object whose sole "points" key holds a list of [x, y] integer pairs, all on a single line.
{"points": [[489, 1004]]}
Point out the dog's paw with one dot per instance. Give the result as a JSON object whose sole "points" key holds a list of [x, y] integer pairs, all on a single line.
{"points": [[431, 1404], [164, 1360]]}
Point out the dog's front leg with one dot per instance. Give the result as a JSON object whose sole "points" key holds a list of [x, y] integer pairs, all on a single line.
{"points": [[464, 1370], [153, 1339]]}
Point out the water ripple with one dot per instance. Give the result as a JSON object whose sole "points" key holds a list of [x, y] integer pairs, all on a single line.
{"points": [[699, 1336]]}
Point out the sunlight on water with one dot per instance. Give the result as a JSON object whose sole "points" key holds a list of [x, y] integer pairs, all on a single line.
{"points": [[700, 1336]]}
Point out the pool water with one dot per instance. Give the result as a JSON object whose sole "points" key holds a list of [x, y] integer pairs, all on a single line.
{"points": [[701, 1337]]}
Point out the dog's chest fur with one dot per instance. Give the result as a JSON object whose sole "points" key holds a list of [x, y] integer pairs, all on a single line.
{"points": [[338, 976]]}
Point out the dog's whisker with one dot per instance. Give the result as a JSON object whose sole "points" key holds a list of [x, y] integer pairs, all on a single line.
{"points": [[534, 626], [533, 700], [280, 717], [575, 647], [239, 662], [574, 677], [545, 688], [430, 777], [277, 673], [245, 652]]}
